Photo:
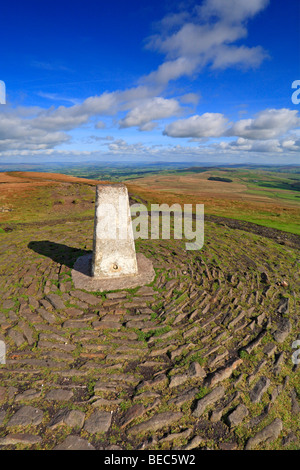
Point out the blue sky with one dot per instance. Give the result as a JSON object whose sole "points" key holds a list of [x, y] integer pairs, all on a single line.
{"points": [[151, 81]]}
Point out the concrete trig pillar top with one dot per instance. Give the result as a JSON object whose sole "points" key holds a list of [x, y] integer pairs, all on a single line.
{"points": [[114, 250]]}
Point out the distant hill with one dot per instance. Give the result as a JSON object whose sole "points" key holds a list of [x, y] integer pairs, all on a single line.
{"points": [[33, 196], [219, 178]]}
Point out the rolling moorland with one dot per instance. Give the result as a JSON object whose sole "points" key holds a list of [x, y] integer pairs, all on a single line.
{"points": [[267, 196], [200, 359], [264, 197]]}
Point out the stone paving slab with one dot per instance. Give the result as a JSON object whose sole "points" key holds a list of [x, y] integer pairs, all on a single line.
{"points": [[199, 359]]}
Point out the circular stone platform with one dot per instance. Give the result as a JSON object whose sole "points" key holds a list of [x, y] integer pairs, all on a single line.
{"points": [[83, 280]]}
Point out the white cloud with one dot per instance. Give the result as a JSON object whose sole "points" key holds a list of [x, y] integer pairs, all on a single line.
{"points": [[240, 56], [100, 125], [172, 70], [120, 146], [211, 37], [19, 133], [232, 10], [118, 150], [271, 131], [291, 143], [206, 125], [260, 146], [40, 128], [150, 110], [194, 40], [190, 98], [267, 124], [58, 97], [148, 126], [206, 37]]}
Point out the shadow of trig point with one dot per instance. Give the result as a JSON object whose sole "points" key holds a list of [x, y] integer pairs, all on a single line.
{"points": [[114, 263]]}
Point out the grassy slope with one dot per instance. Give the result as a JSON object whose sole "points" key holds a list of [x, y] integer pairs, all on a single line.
{"points": [[33, 197], [261, 197], [256, 196]]}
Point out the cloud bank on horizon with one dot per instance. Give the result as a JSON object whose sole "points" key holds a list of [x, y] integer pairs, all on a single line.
{"points": [[165, 104]]}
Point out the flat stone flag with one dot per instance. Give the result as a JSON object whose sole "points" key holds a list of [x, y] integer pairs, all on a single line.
{"points": [[114, 263]]}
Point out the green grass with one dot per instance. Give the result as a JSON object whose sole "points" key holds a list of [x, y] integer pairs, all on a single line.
{"points": [[202, 392], [279, 186], [268, 199]]}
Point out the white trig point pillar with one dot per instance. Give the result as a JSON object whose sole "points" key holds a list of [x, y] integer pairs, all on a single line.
{"points": [[114, 264], [114, 251]]}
